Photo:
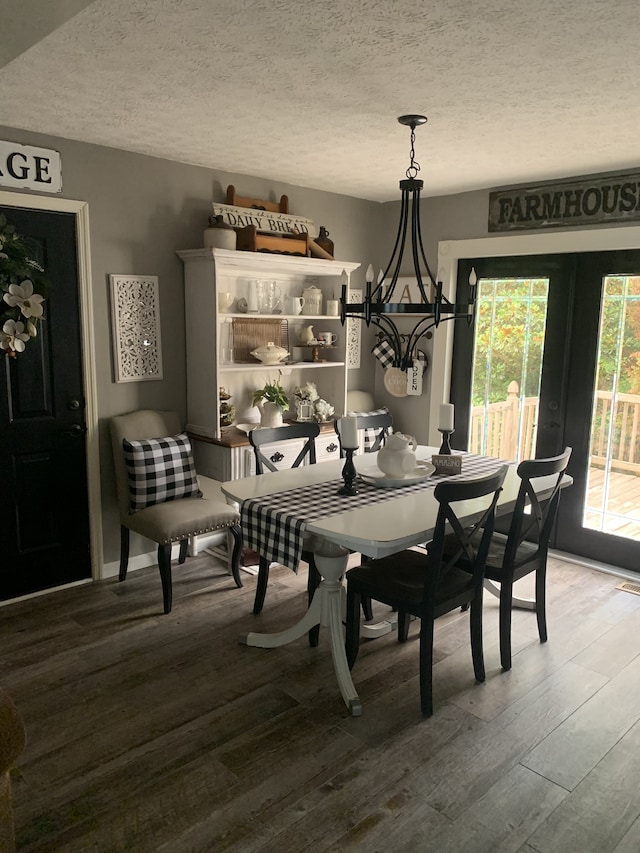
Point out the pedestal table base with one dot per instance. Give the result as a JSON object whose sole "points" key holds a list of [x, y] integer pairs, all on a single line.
{"points": [[326, 609]]}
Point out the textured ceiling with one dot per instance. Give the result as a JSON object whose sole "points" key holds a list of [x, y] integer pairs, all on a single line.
{"points": [[308, 93]]}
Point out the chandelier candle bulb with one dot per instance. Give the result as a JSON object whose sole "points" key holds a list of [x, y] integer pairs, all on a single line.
{"points": [[446, 417], [369, 282], [349, 433]]}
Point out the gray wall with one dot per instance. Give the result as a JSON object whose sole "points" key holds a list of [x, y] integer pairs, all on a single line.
{"points": [[142, 209]]}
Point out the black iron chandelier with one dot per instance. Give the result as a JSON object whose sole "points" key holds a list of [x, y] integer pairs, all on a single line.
{"points": [[433, 308]]}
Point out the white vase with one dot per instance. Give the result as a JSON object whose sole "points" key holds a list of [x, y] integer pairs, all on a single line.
{"points": [[270, 415]]}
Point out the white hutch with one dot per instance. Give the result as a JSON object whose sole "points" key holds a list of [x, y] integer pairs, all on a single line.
{"points": [[215, 358]]}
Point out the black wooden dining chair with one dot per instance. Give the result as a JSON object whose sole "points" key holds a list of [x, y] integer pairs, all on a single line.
{"points": [[259, 440], [376, 426], [525, 547], [428, 585]]}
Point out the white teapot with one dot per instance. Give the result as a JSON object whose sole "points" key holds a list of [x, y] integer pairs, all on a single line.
{"points": [[398, 456]]}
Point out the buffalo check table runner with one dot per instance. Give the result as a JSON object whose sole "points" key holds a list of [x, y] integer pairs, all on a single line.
{"points": [[274, 525]]}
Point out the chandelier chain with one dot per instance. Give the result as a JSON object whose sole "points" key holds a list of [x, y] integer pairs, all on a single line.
{"points": [[414, 166]]}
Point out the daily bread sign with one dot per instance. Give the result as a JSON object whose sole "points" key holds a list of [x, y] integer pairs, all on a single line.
{"points": [[264, 220], [24, 167]]}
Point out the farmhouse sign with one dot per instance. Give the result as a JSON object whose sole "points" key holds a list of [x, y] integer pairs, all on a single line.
{"points": [[26, 167], [264, 220], [585, 201]]}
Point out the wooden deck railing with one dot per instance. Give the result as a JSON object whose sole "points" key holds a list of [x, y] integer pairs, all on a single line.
{"points": [[507, 429], [622, 443]]}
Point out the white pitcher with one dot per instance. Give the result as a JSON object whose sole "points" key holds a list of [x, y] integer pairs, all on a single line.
{"points": [[398, 456], [293, 304], [270, 414], [306, 334]]}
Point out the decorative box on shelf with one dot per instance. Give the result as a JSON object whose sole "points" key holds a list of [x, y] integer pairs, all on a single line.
{"points": [[249, 239]]}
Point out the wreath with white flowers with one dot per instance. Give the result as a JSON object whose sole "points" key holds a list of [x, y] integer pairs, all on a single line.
{"points": [[23, 291]]}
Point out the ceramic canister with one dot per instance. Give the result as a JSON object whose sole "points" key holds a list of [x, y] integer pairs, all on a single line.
{"points": [[312, 300], [219, 235]]}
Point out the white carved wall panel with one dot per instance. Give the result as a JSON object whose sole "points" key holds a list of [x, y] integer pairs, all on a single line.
{"points": [[135, 311], [353, 334]]}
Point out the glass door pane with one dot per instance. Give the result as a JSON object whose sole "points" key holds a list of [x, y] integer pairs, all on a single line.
{"points": [[511, 316], [612, 503]]}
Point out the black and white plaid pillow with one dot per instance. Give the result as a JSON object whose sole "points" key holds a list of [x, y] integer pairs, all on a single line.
{"points": [[160, 469]]}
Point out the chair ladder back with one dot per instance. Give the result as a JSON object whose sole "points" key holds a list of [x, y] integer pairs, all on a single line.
{"points": [[257, 438], [380, 422], [536, 523], [450, 493]]}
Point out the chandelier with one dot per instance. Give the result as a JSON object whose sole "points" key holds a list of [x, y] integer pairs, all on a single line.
{"points": [[378, 307]]}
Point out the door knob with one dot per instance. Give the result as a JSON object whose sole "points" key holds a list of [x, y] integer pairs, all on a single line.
{"points": [[75, 430]]}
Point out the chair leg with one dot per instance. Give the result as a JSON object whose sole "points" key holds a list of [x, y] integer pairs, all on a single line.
{"points": [[541, 601], [164, 564], [352, 639], [313, 582], [236, 554], [404, 619], [184, 545], [506, 593], [426, 666], [475, 622], [261, 586], [124, 552], [367, 608]]}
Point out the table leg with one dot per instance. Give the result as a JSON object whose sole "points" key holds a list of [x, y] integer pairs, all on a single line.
{"points": [[326, 609], [331, 561]]}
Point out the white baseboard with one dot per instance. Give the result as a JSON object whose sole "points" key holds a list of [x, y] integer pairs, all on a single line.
{"points": [[595, 565], [140, 561]]}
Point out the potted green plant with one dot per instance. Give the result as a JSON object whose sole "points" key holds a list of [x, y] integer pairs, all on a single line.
{"points": [[272, 401]]}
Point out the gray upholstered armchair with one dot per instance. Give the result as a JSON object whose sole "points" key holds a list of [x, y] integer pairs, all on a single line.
{"points": [[159, 495]]}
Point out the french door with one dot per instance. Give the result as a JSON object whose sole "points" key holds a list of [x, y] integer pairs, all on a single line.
{"points": [[553, 359]]}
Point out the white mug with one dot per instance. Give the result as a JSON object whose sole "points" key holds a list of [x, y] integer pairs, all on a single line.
{"points": [[333, 307], [293, 304], [327, 338]]}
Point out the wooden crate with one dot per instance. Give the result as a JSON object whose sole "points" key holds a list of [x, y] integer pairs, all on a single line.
{"points": [[252, 240]]}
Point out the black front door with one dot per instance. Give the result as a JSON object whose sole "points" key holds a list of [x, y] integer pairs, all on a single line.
{"points": [[583, 375], [44, 515]]}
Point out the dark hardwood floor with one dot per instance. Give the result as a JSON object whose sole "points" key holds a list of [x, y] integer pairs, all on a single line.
{"points": [[162, 733]]}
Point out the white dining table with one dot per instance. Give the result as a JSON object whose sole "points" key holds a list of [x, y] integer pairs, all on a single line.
{"points": [[400, 521]]}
